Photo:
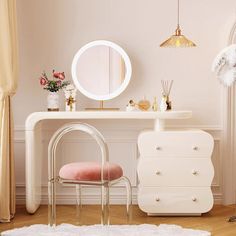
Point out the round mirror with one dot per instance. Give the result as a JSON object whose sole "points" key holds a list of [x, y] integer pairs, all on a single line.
{"points": [[101, 70]]}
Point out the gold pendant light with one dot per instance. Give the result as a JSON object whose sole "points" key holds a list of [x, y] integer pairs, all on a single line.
{"points": [[178, 39]]}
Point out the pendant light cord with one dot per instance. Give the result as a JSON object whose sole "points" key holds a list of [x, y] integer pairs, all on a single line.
{"points": [[178, 39], [178, 14]]}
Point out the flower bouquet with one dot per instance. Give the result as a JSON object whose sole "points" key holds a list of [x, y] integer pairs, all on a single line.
{"points": [[53, 86]]}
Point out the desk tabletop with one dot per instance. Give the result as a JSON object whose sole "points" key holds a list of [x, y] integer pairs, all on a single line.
{"points": [[35, 117]]}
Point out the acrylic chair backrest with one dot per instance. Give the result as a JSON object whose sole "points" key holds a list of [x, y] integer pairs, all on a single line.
{"points": [[77, 126]]}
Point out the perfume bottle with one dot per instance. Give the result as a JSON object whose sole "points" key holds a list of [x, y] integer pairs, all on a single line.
{"points": [[154, 105], [131, 106], [144, 104], [70, 103], [70, 95]]}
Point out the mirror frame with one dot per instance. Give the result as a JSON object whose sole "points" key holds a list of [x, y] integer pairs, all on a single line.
{"points": [[128, 68]]}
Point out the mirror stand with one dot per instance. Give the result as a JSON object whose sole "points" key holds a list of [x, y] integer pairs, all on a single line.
{"points": [[102, 108]]}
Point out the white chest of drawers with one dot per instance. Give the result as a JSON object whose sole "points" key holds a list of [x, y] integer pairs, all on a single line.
{"points": [[175, 172]]}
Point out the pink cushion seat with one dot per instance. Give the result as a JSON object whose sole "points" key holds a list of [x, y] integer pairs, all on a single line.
{"points": [[90, 171]]}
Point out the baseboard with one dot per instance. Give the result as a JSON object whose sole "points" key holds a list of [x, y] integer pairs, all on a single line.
{"points": [[91, 196]]}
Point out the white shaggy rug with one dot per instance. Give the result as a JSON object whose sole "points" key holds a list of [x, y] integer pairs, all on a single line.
{"points": [[99, 230]]}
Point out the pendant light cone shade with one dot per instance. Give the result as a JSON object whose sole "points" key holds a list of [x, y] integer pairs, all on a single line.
{"points": [[178, 39]]}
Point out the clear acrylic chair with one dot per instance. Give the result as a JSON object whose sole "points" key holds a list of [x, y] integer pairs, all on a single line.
{"points": [[103, 173]]}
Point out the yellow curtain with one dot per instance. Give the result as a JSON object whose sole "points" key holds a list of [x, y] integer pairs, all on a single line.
{"points": [[8, 84]]}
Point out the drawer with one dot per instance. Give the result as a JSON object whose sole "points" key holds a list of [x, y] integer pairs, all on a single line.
{"points": [[175, 143], [175, 172], [174, 200]]}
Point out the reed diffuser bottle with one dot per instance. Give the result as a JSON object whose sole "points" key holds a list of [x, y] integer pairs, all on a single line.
{"points": [[166, 87]]}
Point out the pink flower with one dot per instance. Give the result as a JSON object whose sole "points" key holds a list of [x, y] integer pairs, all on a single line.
{"points": [[43, 81], [58, 83], [61, 75], [55, 74]]}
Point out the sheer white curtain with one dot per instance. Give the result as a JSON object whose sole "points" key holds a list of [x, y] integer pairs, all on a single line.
{"points": [[8, 84]]}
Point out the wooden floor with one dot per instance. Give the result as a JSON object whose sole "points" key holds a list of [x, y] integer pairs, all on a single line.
{"points": [[214, 221]]}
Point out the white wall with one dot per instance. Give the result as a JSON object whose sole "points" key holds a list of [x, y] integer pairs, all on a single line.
{"points": [[51, 31]]}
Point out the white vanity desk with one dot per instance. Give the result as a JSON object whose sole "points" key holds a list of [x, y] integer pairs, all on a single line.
{"points": [[34, 142], [174, 167]]}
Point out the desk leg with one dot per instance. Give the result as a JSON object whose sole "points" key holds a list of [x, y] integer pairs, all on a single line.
{"points": [[33, 148], [159, 125]]}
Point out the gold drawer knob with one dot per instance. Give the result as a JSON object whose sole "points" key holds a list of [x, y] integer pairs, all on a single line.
{"points": [[194, 172], [157, 199], [158, 148], [158, 172], [194, 199], [195, 148]]}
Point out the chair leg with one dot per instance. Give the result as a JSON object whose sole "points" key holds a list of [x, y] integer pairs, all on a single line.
{"points": [[128, 195], [128, 198], [78, 201], [51, 203], [105, 218]]}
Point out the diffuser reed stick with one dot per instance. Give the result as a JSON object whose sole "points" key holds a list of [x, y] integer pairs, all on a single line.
{"points": [[166, 86]]}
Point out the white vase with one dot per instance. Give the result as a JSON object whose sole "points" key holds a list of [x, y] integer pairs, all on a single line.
{"points": [[53, 101]]}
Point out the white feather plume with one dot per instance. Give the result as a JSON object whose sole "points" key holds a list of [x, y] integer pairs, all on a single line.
{"points": [[224, 65], [228, 77]]}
